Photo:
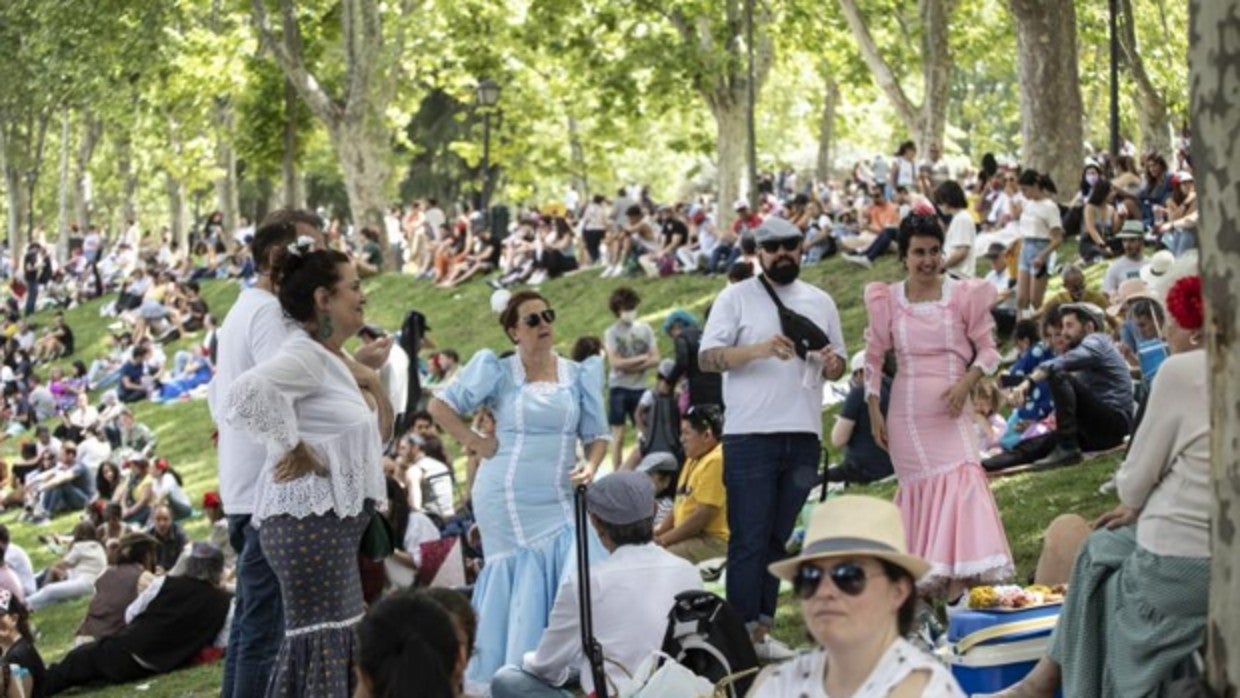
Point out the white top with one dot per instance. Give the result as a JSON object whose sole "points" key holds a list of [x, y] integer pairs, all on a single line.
{"points": [[304, 393], [16, 559], [1038, 218], [594, 217], [1002, 281], [86, 560], [166, 486], [632, 592], [770, 396], [432, 478], [962, 233], [803, 675], [394, 377], [1120, 271], [1167, 471], [420, 529], [252, 331]]}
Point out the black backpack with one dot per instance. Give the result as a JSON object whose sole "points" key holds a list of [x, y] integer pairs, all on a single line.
{"points": [[663, 429], [705, 635]]}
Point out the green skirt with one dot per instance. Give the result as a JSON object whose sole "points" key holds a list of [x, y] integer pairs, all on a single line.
{"points": [[1131, 620]]}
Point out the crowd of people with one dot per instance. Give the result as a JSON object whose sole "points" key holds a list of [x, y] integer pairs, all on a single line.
{"points": [[341, 538]]}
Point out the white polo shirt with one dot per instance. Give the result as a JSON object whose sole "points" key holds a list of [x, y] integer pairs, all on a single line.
{"points": [[771, 396]]}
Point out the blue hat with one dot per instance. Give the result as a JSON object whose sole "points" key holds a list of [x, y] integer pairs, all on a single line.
{"points": [[679, 316]]}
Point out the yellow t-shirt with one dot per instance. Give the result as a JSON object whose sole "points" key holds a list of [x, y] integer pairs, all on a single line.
{"points": [[701, 482]]}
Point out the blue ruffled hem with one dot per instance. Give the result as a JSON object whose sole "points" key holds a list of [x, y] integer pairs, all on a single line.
{"points": [[513, 598]]}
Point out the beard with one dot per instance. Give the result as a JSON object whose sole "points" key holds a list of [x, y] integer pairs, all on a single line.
{"points": [[783, 272]]}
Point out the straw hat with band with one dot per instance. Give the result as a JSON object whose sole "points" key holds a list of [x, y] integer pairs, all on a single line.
{"points": [[1130, 290], [854, 526]]}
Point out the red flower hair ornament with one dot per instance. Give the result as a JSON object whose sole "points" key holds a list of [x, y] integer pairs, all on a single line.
{"points": [[1185, 303]]}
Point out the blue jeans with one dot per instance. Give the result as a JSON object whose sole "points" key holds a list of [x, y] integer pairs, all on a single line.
{"points": [[881, 244], [768, 477], [722, 258], [32, 298], [258, 616], [511, 682], [66, 497]]}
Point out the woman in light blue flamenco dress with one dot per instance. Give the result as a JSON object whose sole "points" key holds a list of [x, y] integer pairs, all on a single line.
{"points": [[523, 492]]}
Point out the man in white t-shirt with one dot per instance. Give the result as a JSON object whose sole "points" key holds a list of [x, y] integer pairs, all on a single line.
{"points": [[773, 424], [1130, 265], [631, 351]]}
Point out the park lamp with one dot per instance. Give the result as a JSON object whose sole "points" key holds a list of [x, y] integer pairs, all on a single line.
{"points": [[488, 93]]}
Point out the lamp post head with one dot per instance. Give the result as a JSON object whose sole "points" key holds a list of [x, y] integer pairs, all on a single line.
{"points": [[488, 92]]}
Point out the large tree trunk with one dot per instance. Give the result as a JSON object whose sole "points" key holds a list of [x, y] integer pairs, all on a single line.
{"points": [[12, 191], [1050, 89], [826, 127], [92, 130], [62, 188], [730, 145], [364, 162], [1153, 120], [291, 181], [1212, 55], [226, 160], [129, 180]]}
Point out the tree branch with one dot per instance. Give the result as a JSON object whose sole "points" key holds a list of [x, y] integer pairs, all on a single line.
{"points": [[288, 56], [883, 75], [1128, 44]]}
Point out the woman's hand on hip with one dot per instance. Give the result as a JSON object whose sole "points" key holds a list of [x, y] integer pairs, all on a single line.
{"points": [[482, 445], [957, 395]]}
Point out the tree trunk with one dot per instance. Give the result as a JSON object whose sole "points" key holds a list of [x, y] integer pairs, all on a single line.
{"points": [[12, 191], [730, 145], [129, 181], [291, 183], [176, 211], [826, 127], [577, 155], [1050, 89], [91, 132], [226, 160], [62, 189], [364, 163], [936, 71], [1214, 85], [1153, 120]]}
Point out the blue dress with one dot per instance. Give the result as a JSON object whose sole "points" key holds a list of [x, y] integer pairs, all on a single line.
{"points": [[522, 496]]}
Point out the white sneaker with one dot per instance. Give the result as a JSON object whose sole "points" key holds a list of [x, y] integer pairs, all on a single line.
{"points": [[606, 272], [770, 650], [859, 259], [1107, 487]]}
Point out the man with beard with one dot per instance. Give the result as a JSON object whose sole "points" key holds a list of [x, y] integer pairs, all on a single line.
{"points": [[773, 423]]}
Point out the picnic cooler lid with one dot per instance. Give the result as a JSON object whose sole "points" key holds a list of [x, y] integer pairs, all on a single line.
{"points": [[987, 638]]}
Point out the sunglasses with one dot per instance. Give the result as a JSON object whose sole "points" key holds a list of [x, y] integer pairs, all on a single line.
{"points": [[787, 245], [848, 577], [535, 319]]}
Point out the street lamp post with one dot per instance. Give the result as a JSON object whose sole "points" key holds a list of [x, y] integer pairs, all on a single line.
{"points": [[1115, 140], [487, 96]]}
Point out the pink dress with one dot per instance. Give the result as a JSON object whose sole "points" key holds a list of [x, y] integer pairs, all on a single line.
{"points": [[950, 517]]}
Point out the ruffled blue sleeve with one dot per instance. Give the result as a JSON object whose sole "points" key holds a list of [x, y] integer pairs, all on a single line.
{"points": [[476, 385], [593, 423]]}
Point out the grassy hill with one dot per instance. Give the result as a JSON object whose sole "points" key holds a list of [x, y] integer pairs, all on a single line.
{"points": [[462, 319]]}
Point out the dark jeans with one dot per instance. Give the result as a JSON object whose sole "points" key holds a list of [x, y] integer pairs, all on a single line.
{"points": [[722, 257], [32, 297], [881, 244], [1082, 419], [767, 477], [104, 661], [66, 497], [1005, 321], [592, 239], [258, 616]]}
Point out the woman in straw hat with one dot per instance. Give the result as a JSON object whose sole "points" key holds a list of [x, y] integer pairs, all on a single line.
{"points": [[857, 586]]}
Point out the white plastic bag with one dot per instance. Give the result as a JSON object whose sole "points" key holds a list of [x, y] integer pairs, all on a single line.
{"points": [[670, 679]]}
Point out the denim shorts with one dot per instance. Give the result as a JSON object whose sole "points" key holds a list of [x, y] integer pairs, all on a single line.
{"points": [[622, 405], [1030, 248]]}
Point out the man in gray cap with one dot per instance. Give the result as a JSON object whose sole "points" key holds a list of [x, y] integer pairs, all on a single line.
{"points": [[633, 590], [773, 425]]}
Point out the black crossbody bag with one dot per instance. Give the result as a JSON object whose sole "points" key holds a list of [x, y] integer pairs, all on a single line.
{"points": [[805, 335]]}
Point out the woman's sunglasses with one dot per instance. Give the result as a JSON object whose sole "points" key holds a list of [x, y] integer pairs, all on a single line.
{"points": [[848, 577], [535, 319], [787, 245]]}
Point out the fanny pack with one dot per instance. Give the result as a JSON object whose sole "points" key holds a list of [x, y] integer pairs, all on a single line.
{"points": [[805, 335]]}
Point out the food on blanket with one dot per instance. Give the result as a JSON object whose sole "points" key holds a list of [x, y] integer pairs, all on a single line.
{"points": [[1010, 596]]}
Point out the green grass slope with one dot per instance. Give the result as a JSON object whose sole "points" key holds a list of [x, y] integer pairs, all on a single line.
{"points": [[462, 319]]}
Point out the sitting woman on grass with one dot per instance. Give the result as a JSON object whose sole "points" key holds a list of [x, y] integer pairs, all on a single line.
{"points": [[1142, 577]]}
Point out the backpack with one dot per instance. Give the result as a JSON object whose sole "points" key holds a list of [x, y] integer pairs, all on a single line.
{"points": [[705, 636], [663, 428]]}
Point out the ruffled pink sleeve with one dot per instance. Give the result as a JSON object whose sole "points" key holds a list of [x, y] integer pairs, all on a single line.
{"points": [[978, 297], [877, 335]]}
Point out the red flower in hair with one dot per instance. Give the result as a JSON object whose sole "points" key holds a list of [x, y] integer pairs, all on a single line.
{"points": [[1185, 304]]}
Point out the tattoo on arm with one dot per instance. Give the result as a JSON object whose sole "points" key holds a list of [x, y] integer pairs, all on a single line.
{"points": [[713, 360]]}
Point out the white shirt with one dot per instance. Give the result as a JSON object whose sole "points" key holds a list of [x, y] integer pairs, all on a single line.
{"points": [[16, 559], [434, 476], [394, 377], [1002, 282], [86, 560], [435, 218], [1121, 270], [252, 331], [632, 591], [1038, 218], [419, 530], [962, 233], [803, 674], [770, 396]]}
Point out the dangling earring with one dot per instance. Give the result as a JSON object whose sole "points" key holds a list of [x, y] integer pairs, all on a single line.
{"points": [[325, 326]]}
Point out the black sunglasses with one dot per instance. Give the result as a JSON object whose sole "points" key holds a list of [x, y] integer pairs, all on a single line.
{"points": [[848, 577], [787, 244], [534, 319]]}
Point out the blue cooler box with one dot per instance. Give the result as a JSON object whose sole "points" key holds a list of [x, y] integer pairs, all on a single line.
{"points": [[992, 650]]}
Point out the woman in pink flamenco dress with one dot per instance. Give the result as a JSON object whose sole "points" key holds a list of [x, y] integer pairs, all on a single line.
{"points": [[942, 333]]}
